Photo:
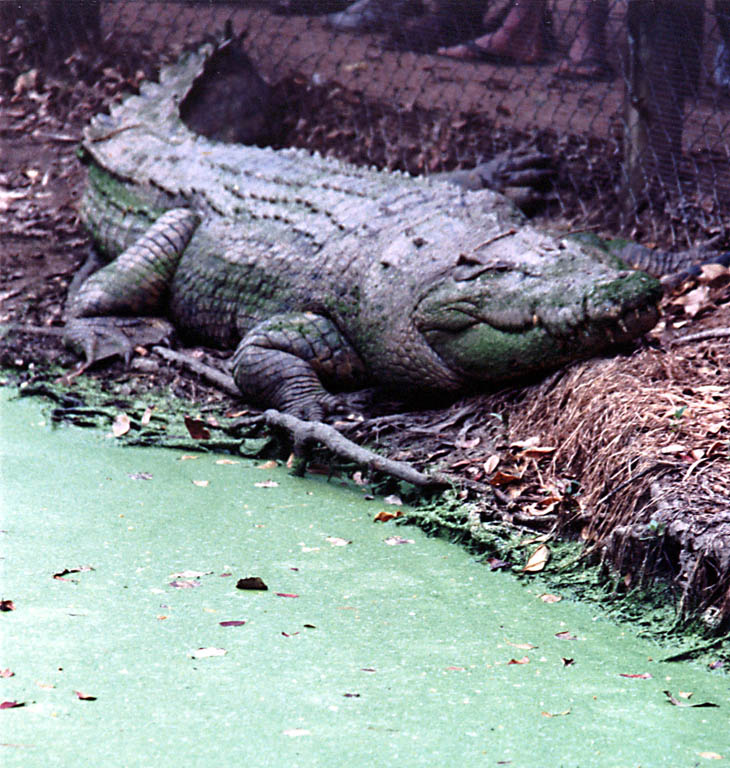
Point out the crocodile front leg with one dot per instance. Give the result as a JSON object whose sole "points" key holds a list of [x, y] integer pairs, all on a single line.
{"points": [[102, 313], [285, 361]]}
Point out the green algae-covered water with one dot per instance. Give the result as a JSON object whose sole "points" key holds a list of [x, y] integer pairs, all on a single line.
{"points": [[366, 650]]}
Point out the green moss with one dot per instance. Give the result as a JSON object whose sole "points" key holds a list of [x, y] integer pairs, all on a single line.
{"points": [[124, 196]]}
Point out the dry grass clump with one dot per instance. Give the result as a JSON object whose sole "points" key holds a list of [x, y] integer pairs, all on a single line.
{"points": [[648, 439]]}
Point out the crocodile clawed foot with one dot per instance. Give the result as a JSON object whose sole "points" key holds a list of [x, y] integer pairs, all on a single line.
{"points": [[101, 338]]}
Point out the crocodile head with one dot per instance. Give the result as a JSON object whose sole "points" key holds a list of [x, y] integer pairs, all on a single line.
{"points": [[495, 320]]}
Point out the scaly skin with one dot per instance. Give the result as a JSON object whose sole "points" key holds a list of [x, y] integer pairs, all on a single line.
{"points": [[319, 271]]}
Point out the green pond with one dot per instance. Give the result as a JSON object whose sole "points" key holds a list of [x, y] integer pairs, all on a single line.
{"points": [[366, 650]]}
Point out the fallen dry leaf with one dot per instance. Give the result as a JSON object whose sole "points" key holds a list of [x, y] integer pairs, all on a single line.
{"points": [[565, 635], [710, 755], [523, 660], [336, 541], [504, 478], [639, 676], [232, 623], [147, 415], [383, 516], [7, 605], [201, 483], [121, 425], [6, 673], [227, 461], [196, 428], [267, 465], [491, 463], [537, 560], [556, 714], [393, 541], [286, 594], [11, 704]]}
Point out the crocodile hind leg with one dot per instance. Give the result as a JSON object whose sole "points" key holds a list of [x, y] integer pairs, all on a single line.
{"points": [[283, 362], [106, 314]]}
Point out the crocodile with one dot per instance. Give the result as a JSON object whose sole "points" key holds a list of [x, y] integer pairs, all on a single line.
{"points": [[325, 276]]}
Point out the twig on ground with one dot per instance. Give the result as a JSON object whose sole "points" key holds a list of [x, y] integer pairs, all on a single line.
{"points": [[710, 333], [219, 379]]}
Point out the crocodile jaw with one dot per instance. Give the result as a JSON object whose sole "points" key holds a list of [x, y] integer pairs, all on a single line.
{"points": [[489, 345]]}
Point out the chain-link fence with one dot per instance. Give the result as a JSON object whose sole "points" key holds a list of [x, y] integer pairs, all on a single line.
{"points": [[631, 98]]}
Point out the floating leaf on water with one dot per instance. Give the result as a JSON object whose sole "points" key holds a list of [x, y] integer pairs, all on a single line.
{"points": [[336, 541], [523, 660], [206, 653], [638, 676], [565, 635], [521, 646], [189, 574], [139, 476], [295, 732], [710, 755], [7, 605], [188, 457], [6, 673], [227, 462], [556, 714], [677, 703], [184, 584], [567, 662], [393, 541], [232, 623], [251, 582], [79, 569], [201, 483], [286, 594], [267, 465], [548, 598], [11, 704], [267, 484], [84, 696], [455, 669]]}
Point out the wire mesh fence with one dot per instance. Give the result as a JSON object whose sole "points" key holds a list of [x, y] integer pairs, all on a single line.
{"points": [[630, 98]]}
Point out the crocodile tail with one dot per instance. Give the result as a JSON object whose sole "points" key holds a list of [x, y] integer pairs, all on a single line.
{"points": [[136, 282]]}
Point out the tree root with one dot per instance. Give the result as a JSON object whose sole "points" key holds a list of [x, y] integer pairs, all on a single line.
{"points": [[304, 432]]}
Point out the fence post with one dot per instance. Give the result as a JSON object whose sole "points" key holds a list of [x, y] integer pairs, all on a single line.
{"points": [[663, 65]]}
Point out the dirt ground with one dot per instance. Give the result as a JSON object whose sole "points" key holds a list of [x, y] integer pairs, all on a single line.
{"points": [[630, 454]]}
